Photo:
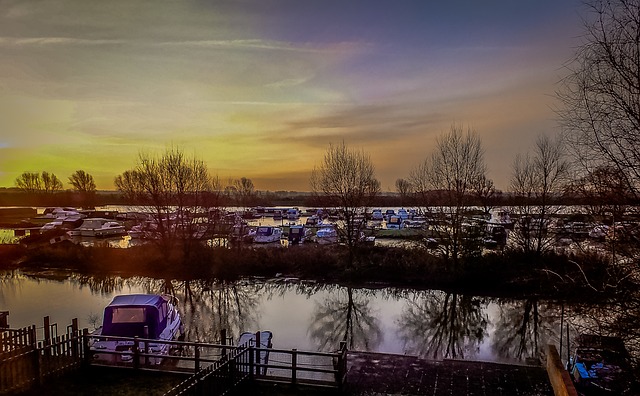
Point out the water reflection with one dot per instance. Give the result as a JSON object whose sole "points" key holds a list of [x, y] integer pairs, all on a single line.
{"points": [[443, 325], [346, 315], [304, 315], [524, 328]]}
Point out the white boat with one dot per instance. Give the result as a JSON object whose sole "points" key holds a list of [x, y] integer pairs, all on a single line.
{"points": [[146, 316], [326, 235], [267, 234], [501, 217], [395, 223], [249, 339], [61, 213], [98, 227], [293, 214]]}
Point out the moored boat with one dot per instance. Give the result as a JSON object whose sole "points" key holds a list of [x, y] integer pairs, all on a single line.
{"points": [[262, 340], [98, 227], [147, 316], [601, 366], [326, 235], [267, 234]]}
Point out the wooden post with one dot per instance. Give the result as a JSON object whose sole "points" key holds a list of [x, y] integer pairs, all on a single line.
{"points": [[146, 345], [47, 336], [251, 362], [86, 351], [197, 357], [74, 337], [294, 365], [223, 341], [136, 353], [37, 372], [4, 319], [32, 338], [258, 360], [342, 364]]}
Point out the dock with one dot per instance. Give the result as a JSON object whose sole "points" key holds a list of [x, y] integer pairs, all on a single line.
{"points": [[30, 365], [376, 373]]}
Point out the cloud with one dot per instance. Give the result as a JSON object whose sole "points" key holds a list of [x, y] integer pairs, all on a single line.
{"points": [[44, 41]]}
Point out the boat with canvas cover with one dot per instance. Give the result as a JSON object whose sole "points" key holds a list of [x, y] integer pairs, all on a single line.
{"points": [[146, 316]]}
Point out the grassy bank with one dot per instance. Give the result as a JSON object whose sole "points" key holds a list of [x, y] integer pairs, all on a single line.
{"points": [[495, 274]]}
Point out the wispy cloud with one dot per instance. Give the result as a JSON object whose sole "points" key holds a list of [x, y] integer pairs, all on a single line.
{"points": [[44, 41]]}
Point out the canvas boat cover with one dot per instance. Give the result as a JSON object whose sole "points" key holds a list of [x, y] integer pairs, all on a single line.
{"points": [[127, 316]]}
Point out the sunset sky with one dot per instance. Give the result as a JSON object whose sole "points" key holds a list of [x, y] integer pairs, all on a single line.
{"points": [[260, 88]]}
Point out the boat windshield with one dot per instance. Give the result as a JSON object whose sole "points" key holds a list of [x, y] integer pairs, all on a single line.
{"points": [[129, 315], [264, 231]]}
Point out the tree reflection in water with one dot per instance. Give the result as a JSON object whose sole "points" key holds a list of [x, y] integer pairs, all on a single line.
{"points": [[523, 329], [441, 325], [207, 307], [345, 315]]}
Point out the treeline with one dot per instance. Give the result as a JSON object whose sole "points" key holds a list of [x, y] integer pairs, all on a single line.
{"points": [[17, 197]]}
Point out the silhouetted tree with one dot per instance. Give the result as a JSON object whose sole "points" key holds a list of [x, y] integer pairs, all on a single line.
{"points": [[346, 179], [451, 173], [179, 192], [34, 183], [485, 192], [84, 186], [603, 191], [601, 94], [403, 187], [50, 182], [243, 191], [539, 179]]}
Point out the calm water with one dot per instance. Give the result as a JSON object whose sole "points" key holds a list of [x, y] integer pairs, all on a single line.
{"points": [[304, 315]]}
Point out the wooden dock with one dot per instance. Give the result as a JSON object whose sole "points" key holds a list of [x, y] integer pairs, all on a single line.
{"points": [[27, 364], [376, 373]]}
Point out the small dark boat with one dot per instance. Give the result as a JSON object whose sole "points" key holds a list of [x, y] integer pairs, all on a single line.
{"points": [[601, 366]]}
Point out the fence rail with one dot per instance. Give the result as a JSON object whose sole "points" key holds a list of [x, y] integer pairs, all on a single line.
{"points": [[25, 362]]}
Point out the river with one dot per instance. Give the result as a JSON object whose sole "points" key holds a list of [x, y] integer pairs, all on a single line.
{"points": [[304, 315]]}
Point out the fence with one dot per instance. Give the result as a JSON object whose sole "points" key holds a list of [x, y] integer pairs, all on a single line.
{"points": [[248, 362], [220, 378], [25, 363], [216, 368]]}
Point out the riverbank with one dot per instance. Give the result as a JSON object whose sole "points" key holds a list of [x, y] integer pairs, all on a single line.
{"points": [[496, 274]]}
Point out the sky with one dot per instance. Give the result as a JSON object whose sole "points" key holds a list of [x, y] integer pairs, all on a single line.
{"points": [[260, 88]]}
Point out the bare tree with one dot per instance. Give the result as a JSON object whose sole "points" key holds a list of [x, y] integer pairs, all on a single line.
{"points": [[82, 181], [450, 175], [403, 187], [601, 93], [34, 182], [29, 182], [603, 192], [346, 179], [244, 192], [84, 186], [179, 192], [485, 193], [50, 182], [539, 178]]}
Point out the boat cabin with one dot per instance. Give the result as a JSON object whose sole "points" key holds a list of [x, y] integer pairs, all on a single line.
{"points": [[297, 234], [141, 315]]}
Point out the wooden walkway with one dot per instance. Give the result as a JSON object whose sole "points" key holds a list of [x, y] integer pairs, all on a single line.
{"points": [[375, 373]]}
